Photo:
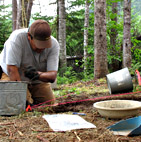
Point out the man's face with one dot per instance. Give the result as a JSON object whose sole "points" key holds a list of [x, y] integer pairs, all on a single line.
{"points": [[35, 48], [38, 46]]}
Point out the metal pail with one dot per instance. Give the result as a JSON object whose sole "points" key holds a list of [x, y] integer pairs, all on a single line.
{"points": [[119, 81], [12, 97]]}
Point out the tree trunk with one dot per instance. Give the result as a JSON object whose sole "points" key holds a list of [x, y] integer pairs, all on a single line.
{"points": [[57, 29], [115, 65], [29, 8], [113, 30], [62, 35], [86, 25], [14, 14], [100, 42], [19, 15], [24, 13], [127, 35]]}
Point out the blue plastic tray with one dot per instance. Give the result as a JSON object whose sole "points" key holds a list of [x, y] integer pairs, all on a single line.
{"points": [[128, 127]]}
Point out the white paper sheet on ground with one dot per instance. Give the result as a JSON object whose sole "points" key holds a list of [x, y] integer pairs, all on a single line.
{"points": [[66, 122]]}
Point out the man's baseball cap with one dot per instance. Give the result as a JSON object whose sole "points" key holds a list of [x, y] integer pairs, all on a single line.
{"points": [[41, 33]]}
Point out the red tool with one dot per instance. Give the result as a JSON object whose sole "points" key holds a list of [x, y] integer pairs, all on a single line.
{"points": [[138, 77], [28, 108]]}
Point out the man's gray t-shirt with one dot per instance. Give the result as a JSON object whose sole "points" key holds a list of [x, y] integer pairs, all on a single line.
{"points": [[17, 51]]}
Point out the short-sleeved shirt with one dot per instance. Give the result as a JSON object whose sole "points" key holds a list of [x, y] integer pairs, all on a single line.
{"points": [[17, 51]]}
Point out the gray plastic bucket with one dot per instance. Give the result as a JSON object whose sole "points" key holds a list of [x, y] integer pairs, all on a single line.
{"points": [[12, 97], [119, 81]]}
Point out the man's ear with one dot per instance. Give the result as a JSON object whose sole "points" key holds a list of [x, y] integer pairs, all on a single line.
{"points": [[29, 36]]}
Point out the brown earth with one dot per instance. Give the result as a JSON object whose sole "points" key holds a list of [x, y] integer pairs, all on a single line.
{"points": [[31, 127]]}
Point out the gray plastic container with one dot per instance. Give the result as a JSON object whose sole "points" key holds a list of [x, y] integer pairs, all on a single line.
{"points": [[119, 81], [12, 97]]}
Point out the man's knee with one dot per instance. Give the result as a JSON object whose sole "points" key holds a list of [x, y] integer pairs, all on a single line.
{"points": [[5, 77], [42, 93]]}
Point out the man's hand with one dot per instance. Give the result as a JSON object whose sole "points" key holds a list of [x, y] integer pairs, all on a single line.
{"points": [[31, 73]]}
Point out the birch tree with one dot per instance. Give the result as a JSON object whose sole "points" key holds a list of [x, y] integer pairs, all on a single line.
{"points": [[62, 34], [127, 35], [86, 25], [28, 11], [100, 42], [23, 13]]}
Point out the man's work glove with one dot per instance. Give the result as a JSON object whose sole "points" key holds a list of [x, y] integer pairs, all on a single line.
{"points": [[31, 73]]}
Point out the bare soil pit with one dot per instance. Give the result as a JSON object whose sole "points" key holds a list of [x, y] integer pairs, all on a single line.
{"points": [[31, 127]]}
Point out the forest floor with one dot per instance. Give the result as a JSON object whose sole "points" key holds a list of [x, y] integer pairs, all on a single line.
{"points": [[76, 97]]}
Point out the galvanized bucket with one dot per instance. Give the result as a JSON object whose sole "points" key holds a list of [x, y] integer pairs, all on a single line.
{"points": [[12, 97], [119, 81]]}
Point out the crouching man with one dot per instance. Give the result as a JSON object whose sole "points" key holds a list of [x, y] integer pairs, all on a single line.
{"points": [[32, 55]]}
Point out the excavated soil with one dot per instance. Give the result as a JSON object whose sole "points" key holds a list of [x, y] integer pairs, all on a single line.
{"points": [[31, 127]]}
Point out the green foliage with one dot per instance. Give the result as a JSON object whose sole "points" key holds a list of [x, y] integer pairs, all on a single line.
{"points": [[136, 5], [114, 53], [5, 24], [135, 66], [136, 44], [75, 90], [136, 52], [73, 3], [74, 32], [39, 16], [88, 76], [135, 24], [74, 36], [68, 77]]}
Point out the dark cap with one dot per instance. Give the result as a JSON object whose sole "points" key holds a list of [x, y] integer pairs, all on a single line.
{"points": [[41, 34], [40, 30]]}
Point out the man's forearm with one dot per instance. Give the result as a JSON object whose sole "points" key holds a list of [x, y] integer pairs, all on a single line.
{"points": [[48, 76], [13, 73]]}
